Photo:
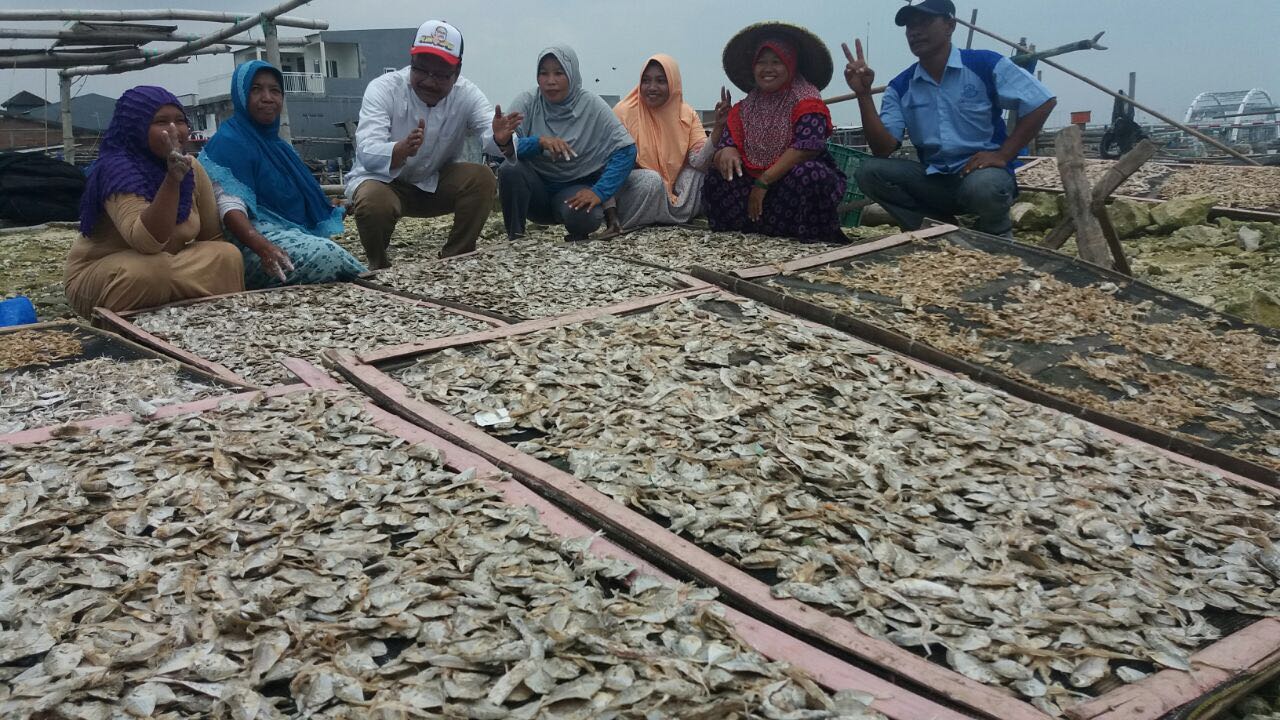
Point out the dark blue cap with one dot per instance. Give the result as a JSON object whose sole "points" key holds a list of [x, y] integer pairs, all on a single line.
{"points": [[941, 8]]}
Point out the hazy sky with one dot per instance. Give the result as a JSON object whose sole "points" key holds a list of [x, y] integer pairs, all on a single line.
{"points": [[1178, 47]]}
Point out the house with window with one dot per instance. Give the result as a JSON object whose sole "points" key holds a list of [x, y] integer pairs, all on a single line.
{"points": [[324, 81]]}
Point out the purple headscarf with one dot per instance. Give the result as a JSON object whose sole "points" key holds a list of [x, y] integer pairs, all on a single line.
{"points": [[125, 161]]}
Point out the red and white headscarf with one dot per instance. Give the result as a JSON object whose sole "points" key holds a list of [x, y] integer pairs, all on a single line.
{"points": [[762, 123]]}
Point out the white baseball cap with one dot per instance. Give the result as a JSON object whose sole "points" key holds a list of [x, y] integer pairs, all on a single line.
{"points": [[439, 38]]}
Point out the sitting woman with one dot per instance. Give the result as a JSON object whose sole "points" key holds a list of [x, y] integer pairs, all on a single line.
{"points": [[148, 219], [271, 205], [673, 153], [572, 155], [791, 186]]}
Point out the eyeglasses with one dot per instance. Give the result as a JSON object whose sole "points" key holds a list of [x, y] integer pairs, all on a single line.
{"points": [[431, 75]]}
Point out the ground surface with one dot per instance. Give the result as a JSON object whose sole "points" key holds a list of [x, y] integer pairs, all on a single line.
{"points": [[31, 259], [1207, 267], [1211, 269]]}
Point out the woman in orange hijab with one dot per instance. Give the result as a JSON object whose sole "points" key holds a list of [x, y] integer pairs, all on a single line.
{"points": [[673, 152]]}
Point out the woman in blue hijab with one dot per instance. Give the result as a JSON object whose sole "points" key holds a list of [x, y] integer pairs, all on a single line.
{"points": [[267, 198]]}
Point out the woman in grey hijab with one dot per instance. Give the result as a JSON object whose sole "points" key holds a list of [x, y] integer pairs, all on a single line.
{"points": [[573, 153]]}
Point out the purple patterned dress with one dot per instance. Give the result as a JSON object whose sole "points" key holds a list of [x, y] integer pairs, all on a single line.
{"points": [[802, 205]]}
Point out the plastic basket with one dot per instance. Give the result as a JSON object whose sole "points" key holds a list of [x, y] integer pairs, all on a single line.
{"points": [[848, 160]]}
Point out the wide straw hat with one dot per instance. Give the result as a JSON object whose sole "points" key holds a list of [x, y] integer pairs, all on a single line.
{"points": [[812, 54]]}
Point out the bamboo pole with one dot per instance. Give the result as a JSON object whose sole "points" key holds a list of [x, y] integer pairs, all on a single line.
{"points": [[273, 57], [217, 36], [1154, 113], [53, 59], [853, 96], [68, 130], [196, 15], [1035, 55], [123, 37]]}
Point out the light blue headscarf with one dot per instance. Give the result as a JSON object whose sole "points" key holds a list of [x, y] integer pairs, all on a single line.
{"points": [[583, 119], [252, 162]]}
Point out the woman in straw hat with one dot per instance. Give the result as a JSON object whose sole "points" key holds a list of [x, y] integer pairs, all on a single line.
{"points": [[673, 152], [773, 174]]}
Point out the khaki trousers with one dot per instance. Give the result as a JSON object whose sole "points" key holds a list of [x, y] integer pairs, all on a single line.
{"points": [[464, 189]]}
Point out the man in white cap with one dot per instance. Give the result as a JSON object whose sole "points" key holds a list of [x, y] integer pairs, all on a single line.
{"points": [[413, 124]]}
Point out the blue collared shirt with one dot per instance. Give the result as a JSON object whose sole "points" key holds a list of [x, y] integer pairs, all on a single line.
{"points": [[952, 121]]}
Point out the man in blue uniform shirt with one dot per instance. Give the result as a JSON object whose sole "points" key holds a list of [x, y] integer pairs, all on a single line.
{"points": [[951, 103]]}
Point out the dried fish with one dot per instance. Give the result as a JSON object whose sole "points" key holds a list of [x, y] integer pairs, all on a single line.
{"points": [[1244, 187], [1180, 374], [681, 247], [101, 386], [249, 333], [252, 562], [530, 279], [1234, 186], [36, 347], [1012, 540], [1142, 183]]}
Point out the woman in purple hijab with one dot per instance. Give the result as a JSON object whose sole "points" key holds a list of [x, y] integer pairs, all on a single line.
{"points": [[149, 225]]}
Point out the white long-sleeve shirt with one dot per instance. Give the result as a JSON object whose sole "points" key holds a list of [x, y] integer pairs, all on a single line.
{"points": [[390, 111]]}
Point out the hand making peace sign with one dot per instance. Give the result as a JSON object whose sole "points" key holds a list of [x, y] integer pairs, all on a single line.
{"points": [[723, 107]]}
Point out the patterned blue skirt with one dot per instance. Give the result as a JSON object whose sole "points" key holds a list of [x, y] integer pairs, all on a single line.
{"points": [[315, 260]]}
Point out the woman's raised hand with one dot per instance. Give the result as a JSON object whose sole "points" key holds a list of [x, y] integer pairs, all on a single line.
{"points": [[504, 125], [723, 107], [729, 163], [178, 164], [557, 148]]}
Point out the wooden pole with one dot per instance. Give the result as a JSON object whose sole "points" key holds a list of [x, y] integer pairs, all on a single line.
{"points": [[68, 130], [973, 18], [1093, 83], [273, 57], [213, 37], [1090, 240], [853, 96], [1115, 176], [121, 15], [121, 37], [54, 59], [1099, 211]]}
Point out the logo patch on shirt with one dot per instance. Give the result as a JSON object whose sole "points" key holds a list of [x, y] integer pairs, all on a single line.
{"points": [[970, 91]]}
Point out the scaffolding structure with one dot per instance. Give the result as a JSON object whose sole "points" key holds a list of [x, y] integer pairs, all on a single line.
{"points": [[1241, 116], [108, 42]]}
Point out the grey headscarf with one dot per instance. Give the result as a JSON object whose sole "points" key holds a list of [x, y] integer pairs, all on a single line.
{"points": [[582, 119]]}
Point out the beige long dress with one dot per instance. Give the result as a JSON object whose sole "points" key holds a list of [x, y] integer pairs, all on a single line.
{"points": [[120, 266]]}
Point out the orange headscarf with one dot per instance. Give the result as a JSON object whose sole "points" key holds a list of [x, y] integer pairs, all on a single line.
{"points": [[665, 136]]}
